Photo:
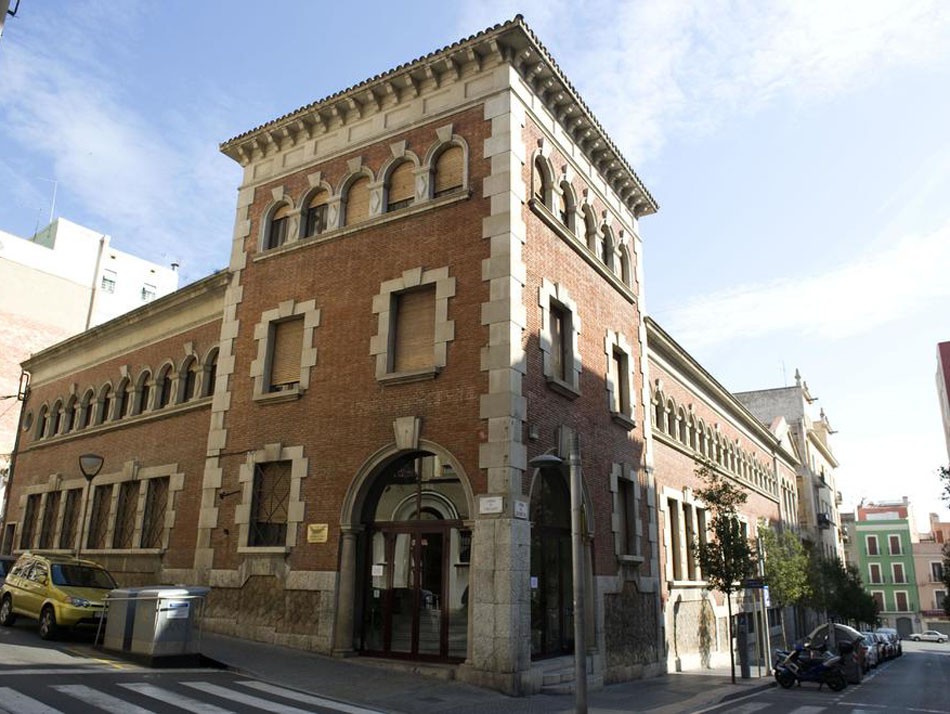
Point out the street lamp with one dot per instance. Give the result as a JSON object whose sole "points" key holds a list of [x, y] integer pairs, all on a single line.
{"points": [[577, 559], [90, 465]]}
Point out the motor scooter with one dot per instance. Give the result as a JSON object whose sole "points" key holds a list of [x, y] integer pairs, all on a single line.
{"points": [[801, 665]]}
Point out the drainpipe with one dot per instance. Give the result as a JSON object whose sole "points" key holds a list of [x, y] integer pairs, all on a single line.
{"points": [[95, 281]]}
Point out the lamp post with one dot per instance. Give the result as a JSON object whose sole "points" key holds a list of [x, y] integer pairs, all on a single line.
{"points": [[577, 568], [90, 465]]}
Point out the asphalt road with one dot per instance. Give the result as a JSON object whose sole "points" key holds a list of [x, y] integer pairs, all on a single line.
{"points": [[71, 677], [918, 682]]}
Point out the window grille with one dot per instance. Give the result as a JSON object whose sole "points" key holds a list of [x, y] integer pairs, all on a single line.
{"points": [[99, 518], [50, 514], [414, 337], [125, 514], [67, 536], [271, 497], [156, 505], [108, 281], [148, 292], [29, 521]]}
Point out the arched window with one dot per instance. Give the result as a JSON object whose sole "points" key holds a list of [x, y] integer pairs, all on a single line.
{"points": [[85, 409], [143, 392], [357, 201], [164, 386], [189, 380], [315, 220], [400, 190], [625, 266], [607, 249], [671, 418], [278, 226], [69, 415], [541, 182], [660, 414], [41, 422], [566, 205], [123, 399], [590, 230], [105, 404], [56, 418], [448, 171], [211, 374]]}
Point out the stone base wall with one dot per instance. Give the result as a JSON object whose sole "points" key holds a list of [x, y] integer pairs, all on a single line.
{"points": [[632, 632]]}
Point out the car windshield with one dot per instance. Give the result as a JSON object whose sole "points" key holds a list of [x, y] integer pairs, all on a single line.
{"points": [[82, 576], [4, 567]]}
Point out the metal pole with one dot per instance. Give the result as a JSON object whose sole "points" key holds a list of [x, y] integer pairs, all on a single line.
{"points": [[82, 521], [577, 552]]}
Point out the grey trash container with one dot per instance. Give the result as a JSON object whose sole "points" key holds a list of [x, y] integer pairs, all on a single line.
{"points": [[156, 623]]}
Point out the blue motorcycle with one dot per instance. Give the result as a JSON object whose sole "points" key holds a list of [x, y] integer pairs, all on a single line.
{"points": [[801, 665]]}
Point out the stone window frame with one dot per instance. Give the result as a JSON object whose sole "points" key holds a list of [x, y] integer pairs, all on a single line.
{"points": [[279, 201], [264, 336], [554, 292], [685, 497], [296, 507], [445, 140], [401, 155], [626, 416], [623, 473], [382, 343]]}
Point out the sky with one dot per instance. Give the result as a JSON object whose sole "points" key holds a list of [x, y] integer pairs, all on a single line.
{"points": [[799, 151]]}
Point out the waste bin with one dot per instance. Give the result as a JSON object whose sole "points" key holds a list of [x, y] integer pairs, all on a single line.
{"points": [[159, 624]]}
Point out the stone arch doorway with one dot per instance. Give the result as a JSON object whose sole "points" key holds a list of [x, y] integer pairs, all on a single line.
{"points": [[552, 608], [413, 556]]}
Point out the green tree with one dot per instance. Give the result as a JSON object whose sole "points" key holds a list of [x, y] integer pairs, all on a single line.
{"points": [[946, 578], [786, 569], [838, 592], [943, 473], [729, 557]]}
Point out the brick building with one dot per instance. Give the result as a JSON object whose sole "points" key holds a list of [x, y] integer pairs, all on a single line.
{"points": [[434, 278]]}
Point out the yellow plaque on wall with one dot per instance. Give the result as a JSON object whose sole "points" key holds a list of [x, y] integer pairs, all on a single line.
{"points": [[317, 532]]}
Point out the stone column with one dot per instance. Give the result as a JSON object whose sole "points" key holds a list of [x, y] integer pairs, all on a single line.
{"points": [[346, 593]]}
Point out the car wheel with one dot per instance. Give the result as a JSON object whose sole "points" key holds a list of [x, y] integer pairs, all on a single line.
{"points": [[785, 678], [915, 639], [837, 682], [7, 617], [48, 628]]}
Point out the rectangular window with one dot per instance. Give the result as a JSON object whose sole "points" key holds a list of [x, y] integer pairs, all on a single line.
{"points": [[50, 516], [900, 599], [560, 333], [895, 544], [879, 599], [701, 531], [125, 513], [626, 517], [99, 518], [674, 514], [872, 545], [108, 281], [156, 504], [286, 351], [619, 371], [148, 292], [67, 536], [268, 527], [414, 332], [940, 596], [316, 220], [29, 521], [898, 571], [936, 572], [690, 542], [874, 572]]}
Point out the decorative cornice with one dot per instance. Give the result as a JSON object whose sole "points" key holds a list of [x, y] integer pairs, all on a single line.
{"points": [[511, 42]]}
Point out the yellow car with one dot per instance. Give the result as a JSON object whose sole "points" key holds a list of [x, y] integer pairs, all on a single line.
{"points": [[59, 591]]}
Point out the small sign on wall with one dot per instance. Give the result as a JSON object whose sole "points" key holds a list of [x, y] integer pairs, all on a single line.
{"points": [[317, 532], [488, 505], [521, 510]]}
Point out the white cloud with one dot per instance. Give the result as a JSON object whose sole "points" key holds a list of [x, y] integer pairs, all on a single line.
{"points": [[851, 299], [651, 68]]}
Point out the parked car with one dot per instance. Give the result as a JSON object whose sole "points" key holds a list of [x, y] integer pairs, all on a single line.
{"points": [[6, 562], [57, 591], [887, 648], [929, 636], [895, 638], [873, 657]]}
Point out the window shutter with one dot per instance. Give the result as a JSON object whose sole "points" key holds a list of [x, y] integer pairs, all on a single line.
{"points": [[448, 171], [401, 185], [319, 199], [357, 201], [285, 358], [415, 330]]}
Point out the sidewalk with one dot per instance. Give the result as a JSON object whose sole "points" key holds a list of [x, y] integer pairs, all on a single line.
{"points": [[378, 686]]}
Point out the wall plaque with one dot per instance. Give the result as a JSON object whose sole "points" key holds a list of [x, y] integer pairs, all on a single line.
{"points": [[491, 504], [317, 532]]}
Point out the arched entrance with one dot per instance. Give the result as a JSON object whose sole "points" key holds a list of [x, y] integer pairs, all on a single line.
{"points": [[416, 554], [552, 608]]}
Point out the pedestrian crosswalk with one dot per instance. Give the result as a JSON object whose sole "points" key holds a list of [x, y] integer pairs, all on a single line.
{"points": [[195, 696], [834, 706]]}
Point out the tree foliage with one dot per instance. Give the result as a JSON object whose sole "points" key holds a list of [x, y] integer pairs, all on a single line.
{"points": [[838, 591], [943, 473], [728, 557], [786, 566]]}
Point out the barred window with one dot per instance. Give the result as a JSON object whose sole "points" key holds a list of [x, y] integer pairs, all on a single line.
{"points": [[67, 536], [156, 504], [29, 521], [50, 514], [99, 518], [125, 514], [269, 507]]}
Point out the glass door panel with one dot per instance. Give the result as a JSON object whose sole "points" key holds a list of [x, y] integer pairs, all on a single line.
{"points": [[403, 604], [431, 596], [456, 603]]}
